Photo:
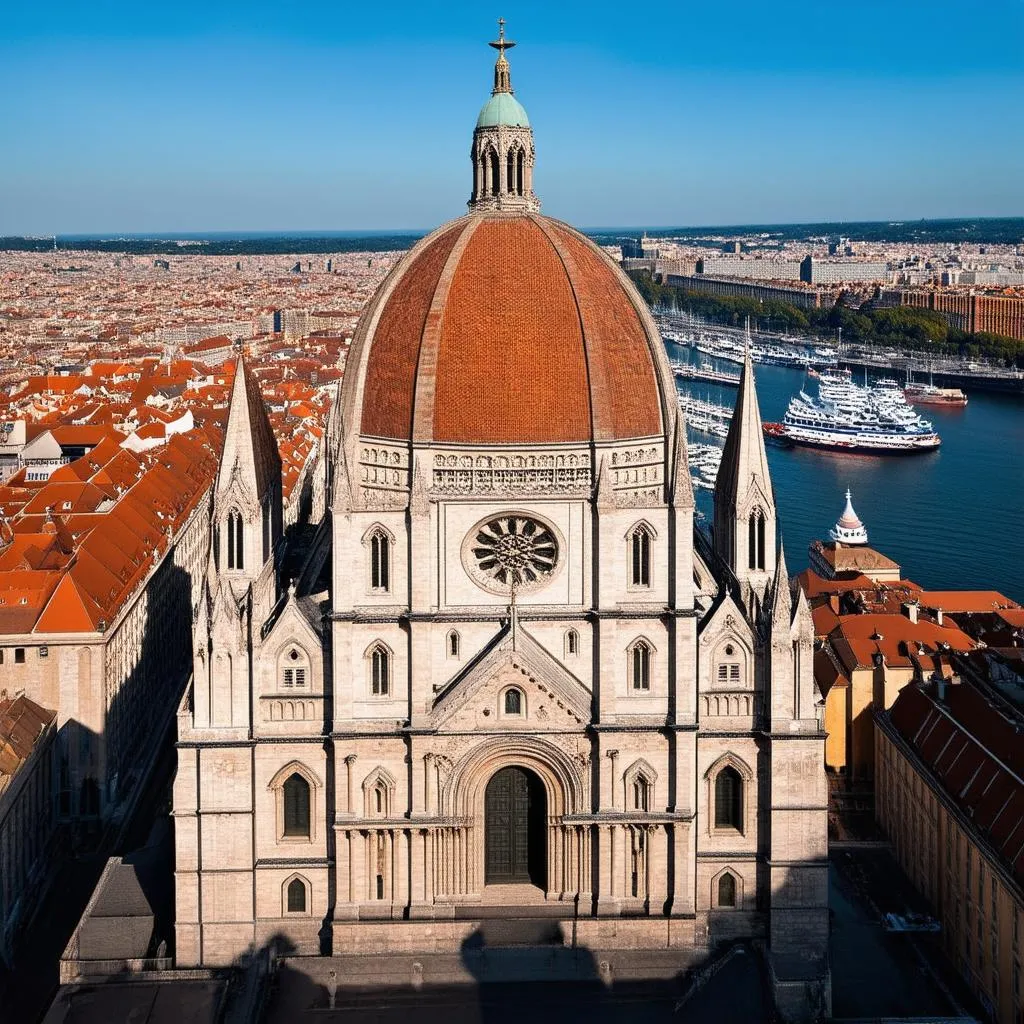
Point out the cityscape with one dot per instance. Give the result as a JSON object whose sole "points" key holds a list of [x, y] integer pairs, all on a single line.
{"points": [[514, 617]]}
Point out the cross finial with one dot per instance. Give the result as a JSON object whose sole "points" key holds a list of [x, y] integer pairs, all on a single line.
{"points": [[501, 44]]}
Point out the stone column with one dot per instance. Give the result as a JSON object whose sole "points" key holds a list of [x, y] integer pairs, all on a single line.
{"points": [[417, 872], [429, 855], [359, 856], [429, 785], [657, 868], [609, 864], [350, 760], [613, 756], [683, 869]]}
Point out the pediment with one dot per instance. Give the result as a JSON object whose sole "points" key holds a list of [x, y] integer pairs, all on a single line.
{"points": [[725, 618], [290, 623], [472, 699]]}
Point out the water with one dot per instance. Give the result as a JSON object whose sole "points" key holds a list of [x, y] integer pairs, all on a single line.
{"points": [[953, 519]]}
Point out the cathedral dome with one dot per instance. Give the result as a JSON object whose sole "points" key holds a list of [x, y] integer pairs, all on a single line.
{"points": [[509, 329], [503, 109]]}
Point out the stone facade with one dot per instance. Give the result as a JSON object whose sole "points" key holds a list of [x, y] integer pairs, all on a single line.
{"points": [[509, 674]]}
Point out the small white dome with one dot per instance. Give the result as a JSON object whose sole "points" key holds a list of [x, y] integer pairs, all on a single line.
{"points": [[849, 529]]}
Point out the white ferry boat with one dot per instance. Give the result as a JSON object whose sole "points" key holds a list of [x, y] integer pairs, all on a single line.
{"points": [[848, 418]]}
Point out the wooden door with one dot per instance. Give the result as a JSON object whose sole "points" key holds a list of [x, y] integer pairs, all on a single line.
{"points": [[507, 828]]}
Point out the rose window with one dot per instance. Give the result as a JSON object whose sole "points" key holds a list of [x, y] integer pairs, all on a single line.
{"points": [[513, 550]]}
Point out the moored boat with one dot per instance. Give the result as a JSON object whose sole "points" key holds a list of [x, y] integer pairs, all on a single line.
{"points": [[927, 394]]}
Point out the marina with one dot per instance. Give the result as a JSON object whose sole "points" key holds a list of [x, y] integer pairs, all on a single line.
{"points": [[905, 501], [726, 343]]}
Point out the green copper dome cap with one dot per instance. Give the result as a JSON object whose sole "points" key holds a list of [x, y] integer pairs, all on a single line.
{"points": [[503, 109]]}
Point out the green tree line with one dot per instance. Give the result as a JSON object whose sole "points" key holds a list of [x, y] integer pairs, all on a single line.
{"points": [[904, 327]]}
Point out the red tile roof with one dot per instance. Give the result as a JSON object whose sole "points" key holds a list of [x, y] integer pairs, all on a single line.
{"points": [[974, 750], [509, 330]]}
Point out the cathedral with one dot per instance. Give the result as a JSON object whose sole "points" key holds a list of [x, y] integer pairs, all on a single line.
{"points": [[511, 676]]}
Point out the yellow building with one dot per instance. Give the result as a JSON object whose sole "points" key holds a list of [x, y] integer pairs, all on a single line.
{"points": [[949, 782]]}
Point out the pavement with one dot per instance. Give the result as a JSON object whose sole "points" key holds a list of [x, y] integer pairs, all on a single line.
{"points": [[735, 995], [877, 973]]}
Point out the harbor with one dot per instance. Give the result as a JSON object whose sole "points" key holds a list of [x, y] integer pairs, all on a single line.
{"points": [[905, 501], [716, 341]]}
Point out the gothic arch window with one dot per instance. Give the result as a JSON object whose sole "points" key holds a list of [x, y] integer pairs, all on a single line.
{"points": [[513, 702], [726, 891], [454, 645], [639, 779], [755, 540], [297, 795], [639, 662], [731, 794], [510, 172], [380, 545], [296, 895], [379, 658], [729, 666], [729, 799], [641, 793], [572, 643], [378, 794], [293, 668], [495, 167], [520, 161], [639, 540], [236, 540]]}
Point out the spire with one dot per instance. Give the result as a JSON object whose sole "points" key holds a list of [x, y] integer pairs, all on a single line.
{"points": [[250, 450], [849, 529], [502, 72], [744, 515], [744, 460], [782, 600]]}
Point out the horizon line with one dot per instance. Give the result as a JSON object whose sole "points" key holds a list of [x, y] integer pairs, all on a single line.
{"points": [[359, 232]]}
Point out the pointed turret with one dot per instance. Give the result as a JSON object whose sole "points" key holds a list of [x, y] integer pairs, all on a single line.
{"points": [[782, 600], [250, 451], [849, 529], [744, 515]]}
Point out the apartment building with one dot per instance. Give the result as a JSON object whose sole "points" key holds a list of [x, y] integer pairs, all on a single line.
{"points": [[27, 820], [949, 771]]}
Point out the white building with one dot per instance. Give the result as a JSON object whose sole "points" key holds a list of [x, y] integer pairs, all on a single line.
{"points": [[511, 673]]}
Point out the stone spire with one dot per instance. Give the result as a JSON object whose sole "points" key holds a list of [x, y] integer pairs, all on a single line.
{"points": [[782, 599], [247, 513], [849, 529], [250, 449], [502, 71], [744, 518], [503, 153]]}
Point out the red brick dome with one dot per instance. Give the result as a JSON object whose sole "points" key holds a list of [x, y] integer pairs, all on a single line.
{"points": [[507, 329]]}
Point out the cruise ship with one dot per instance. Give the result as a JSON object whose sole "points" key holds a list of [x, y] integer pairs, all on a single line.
{"points": [[848, 418]]}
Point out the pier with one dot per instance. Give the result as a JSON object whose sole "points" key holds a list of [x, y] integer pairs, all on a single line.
{"points": [[708, 374], [944, 373]]}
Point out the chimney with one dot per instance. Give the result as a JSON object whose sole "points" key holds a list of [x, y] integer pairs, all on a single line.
{"points": [[912, 610], [938, 616]]}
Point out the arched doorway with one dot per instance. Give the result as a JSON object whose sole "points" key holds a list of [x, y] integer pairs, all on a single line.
{"points": [[515, 813]]}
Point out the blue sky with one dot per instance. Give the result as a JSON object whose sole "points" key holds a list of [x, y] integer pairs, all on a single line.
{"points": [[181, 116]]}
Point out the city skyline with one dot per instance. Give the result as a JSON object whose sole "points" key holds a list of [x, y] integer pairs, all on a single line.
{"points": [[196, 120]]}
